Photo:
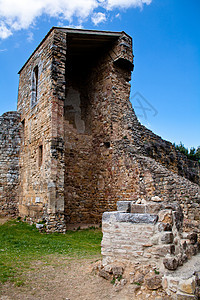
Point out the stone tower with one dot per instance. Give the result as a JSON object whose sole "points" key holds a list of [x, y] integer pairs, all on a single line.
{"points": [[82, 148], [72, 93]]}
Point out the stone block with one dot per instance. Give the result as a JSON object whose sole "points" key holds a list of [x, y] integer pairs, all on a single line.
{"points": [[191, 250], [182, 258], [165, 282], [104, 274], [167, 238], [107, 217], [156, 199], [173, 284], [117, 271], [153, 208], [197, 278], [119, 284], [124, 206], [39, 226], [136, 218], [153, 281], [170, 263], [178, 217], [165, 216], [165, 227], [163, 250], [182, 296], [138, 208], [187, 286], [193, 238], [184, 244], [139, 277], [197, 292], [155, 239]]}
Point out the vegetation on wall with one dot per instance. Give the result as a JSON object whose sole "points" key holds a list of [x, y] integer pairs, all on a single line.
{"points": [[193, 153]]}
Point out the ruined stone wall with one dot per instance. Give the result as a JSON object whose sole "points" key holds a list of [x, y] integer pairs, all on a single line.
{"points": [[165, 153], [42, 150], [144, 244], [87, 157], [10, 137], [140, 177], [90, 113], [131, 173], [149, 144], [106, 153], [148, 232], [94, 150], [80, 184], [140, 173]]}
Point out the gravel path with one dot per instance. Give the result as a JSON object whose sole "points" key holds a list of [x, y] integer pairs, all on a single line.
{"points": [[66, 279]]}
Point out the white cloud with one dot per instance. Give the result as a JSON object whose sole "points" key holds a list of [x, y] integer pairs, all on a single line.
{"points": [[110, 4], [98, 18], [62, 24], [30, 37], [21, 14], [4, 31], [3, 50]]}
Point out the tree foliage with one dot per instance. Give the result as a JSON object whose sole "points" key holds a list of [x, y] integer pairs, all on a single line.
{"points": [[193, 153]]}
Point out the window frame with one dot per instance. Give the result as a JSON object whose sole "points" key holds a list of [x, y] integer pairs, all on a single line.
{"points": [[34, 86]]}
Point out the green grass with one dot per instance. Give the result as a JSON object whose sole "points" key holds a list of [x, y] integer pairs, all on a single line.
{"points": [[20, 244]]}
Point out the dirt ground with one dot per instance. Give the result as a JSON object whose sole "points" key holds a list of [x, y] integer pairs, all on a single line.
{"points": [[66, 279], [63, 278]]}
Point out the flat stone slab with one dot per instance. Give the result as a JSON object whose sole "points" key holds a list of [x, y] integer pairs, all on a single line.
{"points": [[129, 217]]}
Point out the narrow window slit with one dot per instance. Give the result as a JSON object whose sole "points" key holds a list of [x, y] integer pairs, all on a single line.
{"points": [[40, 155], [34, 86]]}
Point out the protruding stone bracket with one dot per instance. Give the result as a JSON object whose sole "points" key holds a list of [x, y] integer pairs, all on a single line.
{"points": [[124, 63]]}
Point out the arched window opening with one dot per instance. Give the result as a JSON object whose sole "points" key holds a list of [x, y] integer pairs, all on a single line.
{"points": [[34, 86]]}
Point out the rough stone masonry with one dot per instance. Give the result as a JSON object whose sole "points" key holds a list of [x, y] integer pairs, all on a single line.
{"points": [[10, 142], [82, 148], [145, 243]]}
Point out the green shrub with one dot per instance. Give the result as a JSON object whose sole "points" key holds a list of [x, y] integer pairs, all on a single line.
{"points": [[193, 154]]}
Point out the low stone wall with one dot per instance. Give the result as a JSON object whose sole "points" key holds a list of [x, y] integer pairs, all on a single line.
{"points": [[10, 128], [151, 145], [147, 238]]}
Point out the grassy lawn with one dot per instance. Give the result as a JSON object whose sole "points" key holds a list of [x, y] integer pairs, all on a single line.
{"points": [[20, 244]]}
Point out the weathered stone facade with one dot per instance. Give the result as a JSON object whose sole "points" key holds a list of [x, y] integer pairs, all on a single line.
{"points": [[82, 147], [10, 141], [71, 121]]}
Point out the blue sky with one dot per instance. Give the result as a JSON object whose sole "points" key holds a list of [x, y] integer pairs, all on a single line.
{"points": [[166, 37]]}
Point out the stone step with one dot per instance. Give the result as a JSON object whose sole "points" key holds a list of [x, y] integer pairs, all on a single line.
{"points": [[130, 217]]}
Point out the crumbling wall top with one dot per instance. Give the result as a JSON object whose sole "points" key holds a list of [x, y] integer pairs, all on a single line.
{"points": [[96, 35]]}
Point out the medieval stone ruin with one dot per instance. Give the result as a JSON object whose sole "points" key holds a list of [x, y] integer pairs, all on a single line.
{"points": [[74, 149]]}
